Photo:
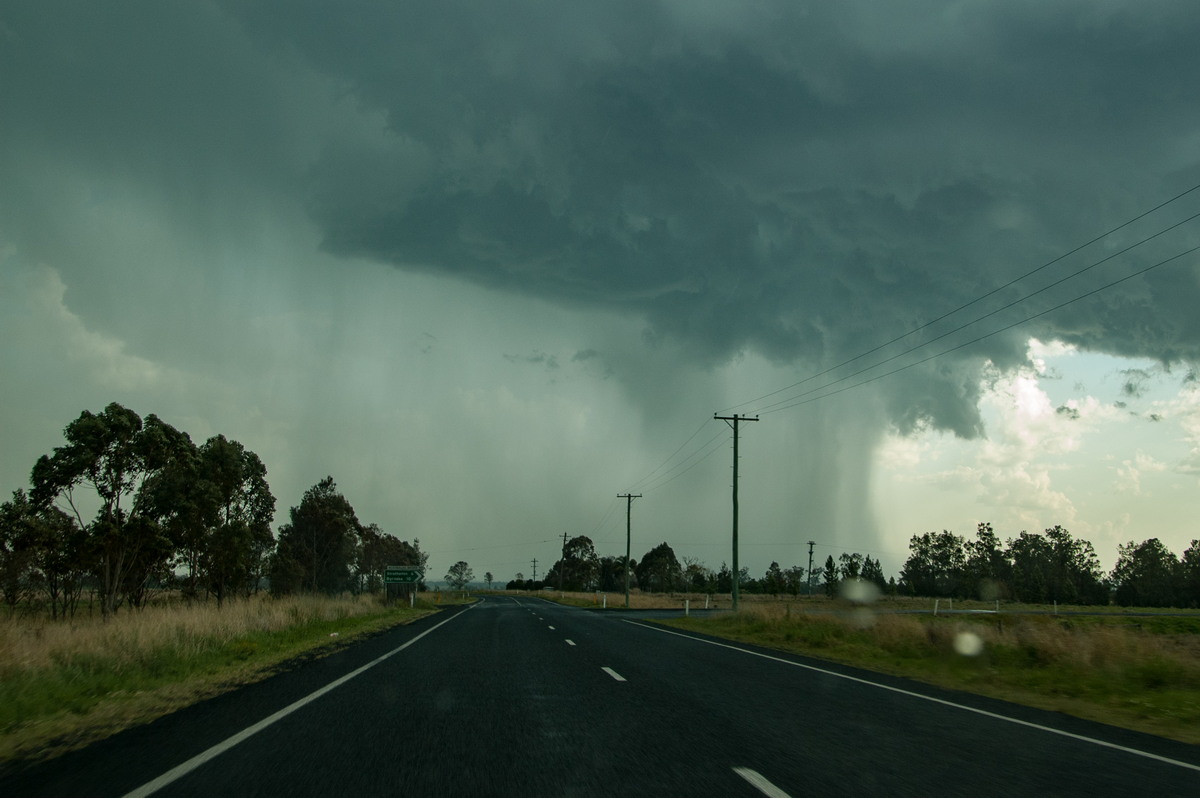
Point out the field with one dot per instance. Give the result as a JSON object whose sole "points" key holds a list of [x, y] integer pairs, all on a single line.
{"points": [[65, 684]]}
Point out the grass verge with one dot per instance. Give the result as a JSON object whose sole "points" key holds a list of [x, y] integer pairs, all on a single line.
{"points": [[64, 685], [1143, 676]]}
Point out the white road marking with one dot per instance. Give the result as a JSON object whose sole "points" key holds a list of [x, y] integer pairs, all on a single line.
{"points": [[613, 674], [942, 701], [570, 642], [760, 783], [179, 771], [551, 628]]}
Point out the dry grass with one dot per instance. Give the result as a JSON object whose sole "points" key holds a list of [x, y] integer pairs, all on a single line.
{"points": [[40, 644], [63, 685], [1142, 676]]}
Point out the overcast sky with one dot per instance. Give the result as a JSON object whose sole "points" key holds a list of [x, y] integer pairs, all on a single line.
{"points": [[491, 264]]}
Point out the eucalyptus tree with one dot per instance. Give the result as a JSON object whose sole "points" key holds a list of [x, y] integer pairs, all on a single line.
{"points": [[114, 454], [234, 553], [459, 575]]}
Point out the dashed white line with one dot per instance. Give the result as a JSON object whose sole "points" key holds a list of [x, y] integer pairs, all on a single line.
{"points": [[613, 674], [570, 642], [760, 783], [551, 628]]}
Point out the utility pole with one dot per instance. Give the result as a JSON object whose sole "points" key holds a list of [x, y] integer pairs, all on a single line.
{"points": [[733, 421], [811, 543], [562, 564], [535, 569], [628, 497]]}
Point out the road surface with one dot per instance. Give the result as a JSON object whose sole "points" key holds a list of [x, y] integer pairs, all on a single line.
{"points": [[519, 696]]}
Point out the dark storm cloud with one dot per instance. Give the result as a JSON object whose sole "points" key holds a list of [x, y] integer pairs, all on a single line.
{"points": [[792, 179], [799, 180]]}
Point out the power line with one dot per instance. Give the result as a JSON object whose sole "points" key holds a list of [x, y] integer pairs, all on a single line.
{"points": [[707, 454], [948, 333], [1105, 287], [986, 295], [646, 478]]}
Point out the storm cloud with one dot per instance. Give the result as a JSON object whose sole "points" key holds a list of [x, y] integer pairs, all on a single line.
{"points": [[793, 179], [797, 182]]}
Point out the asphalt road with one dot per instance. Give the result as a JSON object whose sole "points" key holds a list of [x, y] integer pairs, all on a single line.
{"points": [[525, 697]]}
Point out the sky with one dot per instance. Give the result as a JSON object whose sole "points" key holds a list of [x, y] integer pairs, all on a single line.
{"points": [[490, 265]]}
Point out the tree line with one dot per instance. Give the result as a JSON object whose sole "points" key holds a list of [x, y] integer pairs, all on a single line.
{"points": [[173, 514], [1051, 567]]}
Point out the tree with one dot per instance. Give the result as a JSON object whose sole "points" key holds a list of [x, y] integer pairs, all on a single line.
{"points": [[851, 565], [1055, 567], [936, 565], [696, 577], [1148, 575], [115, 454], [659, 570], [375, 551], [1077, 575], [1190, 566], [794, 578], [17, 549], [316, 549], [579, 567], [988, 568], [773, 581], [831, 576], [487, 577], [459, 575], [1032, 566], [612, 573], [423, 561], [872, 572], [724, 579], [238, 539]]}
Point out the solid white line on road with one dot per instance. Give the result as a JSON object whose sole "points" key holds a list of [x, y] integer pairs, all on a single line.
{"points": [[760, 783], [179, 771], [942, 701], [570, 642], [613, 674]]}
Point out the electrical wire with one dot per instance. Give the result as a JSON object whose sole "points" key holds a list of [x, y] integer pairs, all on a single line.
{"points": [[973, 340], [978, 299], [998, 310]]}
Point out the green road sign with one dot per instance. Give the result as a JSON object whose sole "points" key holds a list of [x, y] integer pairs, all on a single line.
{"points": [[402, 574]]}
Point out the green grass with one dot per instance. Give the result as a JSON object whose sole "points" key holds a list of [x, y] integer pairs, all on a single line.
{"points": [[63, 687], [1143, 675]]}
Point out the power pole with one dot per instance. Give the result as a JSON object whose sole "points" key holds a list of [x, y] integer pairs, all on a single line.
{"points": [[562, 564], [535, 569], [733, 421], [811, 543], [628, 497]]}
